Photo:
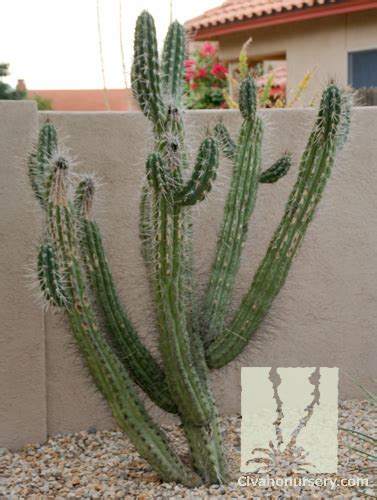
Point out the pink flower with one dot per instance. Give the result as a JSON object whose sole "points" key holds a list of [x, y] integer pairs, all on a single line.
{"points": [[207, 50], [189, 62], [202, 73], [219, 70], [194, 85], [190, 73]]}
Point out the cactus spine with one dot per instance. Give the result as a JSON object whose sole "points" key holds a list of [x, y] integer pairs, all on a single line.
{"points": [[74, 274]]}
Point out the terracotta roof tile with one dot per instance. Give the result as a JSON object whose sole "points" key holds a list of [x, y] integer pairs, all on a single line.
{"points": [[238, 10]]}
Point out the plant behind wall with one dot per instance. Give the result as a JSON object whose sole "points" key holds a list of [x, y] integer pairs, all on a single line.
{"points": [[74, 273]]}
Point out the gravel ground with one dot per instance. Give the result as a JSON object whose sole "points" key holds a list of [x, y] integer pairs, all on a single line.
{"points": [[105, 465]]}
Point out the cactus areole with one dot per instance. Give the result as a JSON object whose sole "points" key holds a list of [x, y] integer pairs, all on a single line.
{"points": [[74, 274]]}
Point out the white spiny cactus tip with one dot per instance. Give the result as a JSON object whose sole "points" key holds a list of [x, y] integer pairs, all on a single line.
{"points": [[62, 159]]}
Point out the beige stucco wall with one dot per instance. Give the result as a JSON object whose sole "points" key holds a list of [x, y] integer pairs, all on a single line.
{"points": [[326, 314], [22, 339], [321, 43]]}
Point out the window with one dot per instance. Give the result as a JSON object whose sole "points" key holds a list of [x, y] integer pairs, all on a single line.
{"points": [[362, 68]]}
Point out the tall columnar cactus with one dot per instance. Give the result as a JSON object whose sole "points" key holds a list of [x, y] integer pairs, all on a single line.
{"points": [[74, 274]]}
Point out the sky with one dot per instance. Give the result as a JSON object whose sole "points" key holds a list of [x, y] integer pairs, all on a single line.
{"points": [[54, 44]]}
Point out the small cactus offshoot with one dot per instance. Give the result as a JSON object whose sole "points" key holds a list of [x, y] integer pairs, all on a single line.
{"points": [[74, 274]]}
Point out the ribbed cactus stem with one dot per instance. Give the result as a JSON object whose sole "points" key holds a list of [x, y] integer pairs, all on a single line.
{"points": [[248, 99], [84, 197], [172, 67], [180, 344], [314, 171], [107, 371], [142, 367], [39, 162], [239, 205], [50, 277], [184, 382], [203, 176], [345, 119], [226, 143], [146, 80], [159, 176], [146, 225], [278, 170], [187, 386]]}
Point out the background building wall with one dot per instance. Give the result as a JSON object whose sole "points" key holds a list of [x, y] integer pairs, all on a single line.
{"points": [[326, 314], [319, 43]]}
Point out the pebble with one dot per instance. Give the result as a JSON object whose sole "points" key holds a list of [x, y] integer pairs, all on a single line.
{"points": [[104, 464]]}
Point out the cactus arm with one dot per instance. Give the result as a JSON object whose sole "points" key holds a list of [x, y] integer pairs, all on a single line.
{"points": [[203, 175], [172, 278], [188, 389], [112, 380], [146, 226], [180, 344], [239, 205], [278, 170], [159, 176], [108, 373], [227, 144], [142, 367], [145, 74], [345, 119], [314, 171], [50, 278], [39, 161], [173, 56], [147, 236], [35, 176], [248, 99], [114, 383], [174, 341]]}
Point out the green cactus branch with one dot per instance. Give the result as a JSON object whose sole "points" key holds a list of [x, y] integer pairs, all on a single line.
{"points": [[203, 176], [50, 278], [142, 367], [315, 168], [278, 170], [239, 206], [39, 161], [226, 143], [189, 390], [107, 371], [182, 355], [173, 57], [145, 76]]}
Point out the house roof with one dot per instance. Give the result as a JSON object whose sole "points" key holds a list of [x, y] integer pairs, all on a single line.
{"points": [[89, 99], [237, 15]]}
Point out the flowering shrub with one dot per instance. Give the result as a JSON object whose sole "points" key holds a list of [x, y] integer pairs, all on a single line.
{"points": [[206, 79]]}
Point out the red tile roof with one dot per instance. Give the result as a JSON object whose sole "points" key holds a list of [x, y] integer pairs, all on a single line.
{"points": [[88, 100], [238, 10], [242, 13]]}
